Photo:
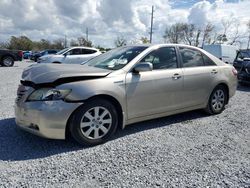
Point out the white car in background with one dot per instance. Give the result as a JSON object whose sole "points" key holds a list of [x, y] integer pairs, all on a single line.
{"points": [[73, 55]]}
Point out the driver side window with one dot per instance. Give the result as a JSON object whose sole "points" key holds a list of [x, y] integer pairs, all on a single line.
{"points": [[162, 58], [76, 51]]}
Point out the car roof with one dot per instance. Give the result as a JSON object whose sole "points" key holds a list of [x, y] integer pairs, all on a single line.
{"points": [[84, 47]]}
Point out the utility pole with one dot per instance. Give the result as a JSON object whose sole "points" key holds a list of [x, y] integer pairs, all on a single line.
{"points": [[65, 41], [87, 34], [151, 27]]}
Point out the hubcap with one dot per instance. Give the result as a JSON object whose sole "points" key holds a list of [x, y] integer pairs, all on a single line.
{"points": [[7, 62], [218, 100], [96, 122]]}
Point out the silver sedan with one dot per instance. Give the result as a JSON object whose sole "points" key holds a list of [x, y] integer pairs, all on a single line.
{"points": [[123, 86]]}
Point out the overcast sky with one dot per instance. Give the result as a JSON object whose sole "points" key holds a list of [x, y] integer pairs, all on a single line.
{"points": [[107, 19]]}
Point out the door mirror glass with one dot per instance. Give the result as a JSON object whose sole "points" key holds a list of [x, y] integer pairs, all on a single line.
{"points": [[143, 67]]}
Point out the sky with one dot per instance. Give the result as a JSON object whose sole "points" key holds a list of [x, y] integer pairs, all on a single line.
{"points": [[108, 19]]}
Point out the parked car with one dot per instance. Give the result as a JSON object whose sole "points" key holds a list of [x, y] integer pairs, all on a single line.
{"points": [[26, 54], [242, 64], [73, 55], [120, 87], [7, 57], [35, 56], [226, 53]]}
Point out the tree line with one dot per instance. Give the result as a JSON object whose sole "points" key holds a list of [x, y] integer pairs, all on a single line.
{"points": [[177, 33]]}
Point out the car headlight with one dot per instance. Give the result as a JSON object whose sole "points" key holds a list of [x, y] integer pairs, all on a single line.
{"points": [[48, 94]]}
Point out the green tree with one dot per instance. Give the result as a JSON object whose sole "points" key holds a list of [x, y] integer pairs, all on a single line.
{"points": [[20, 43], [120, 41], [83, 42], [144, 40]]}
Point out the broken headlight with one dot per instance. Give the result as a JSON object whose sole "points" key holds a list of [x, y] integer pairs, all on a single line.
{"points": [[48, 94]]}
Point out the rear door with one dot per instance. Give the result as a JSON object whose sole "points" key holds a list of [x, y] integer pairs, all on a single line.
{"points": [[156, 91], [200, 75]]}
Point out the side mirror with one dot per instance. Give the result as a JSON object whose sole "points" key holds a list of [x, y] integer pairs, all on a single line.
{"points": [[143, 67]]}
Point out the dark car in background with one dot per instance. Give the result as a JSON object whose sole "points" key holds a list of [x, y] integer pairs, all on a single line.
{"points": [[242, 64], [35, 56], [7, 57]]}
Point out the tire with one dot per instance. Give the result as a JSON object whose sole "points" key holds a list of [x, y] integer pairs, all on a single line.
{"points": [[217, 100], [7, 61], [94, 122]]}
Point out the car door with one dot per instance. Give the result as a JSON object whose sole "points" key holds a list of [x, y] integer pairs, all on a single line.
{"points": [[86, 54], [200, 74], [155, 91], [72, 56]]}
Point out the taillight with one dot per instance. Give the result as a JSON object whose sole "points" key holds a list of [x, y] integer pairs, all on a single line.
{"points": [[234, 71]]}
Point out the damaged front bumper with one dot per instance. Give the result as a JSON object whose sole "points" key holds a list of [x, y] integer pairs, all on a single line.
{"points": [[43, 118]]}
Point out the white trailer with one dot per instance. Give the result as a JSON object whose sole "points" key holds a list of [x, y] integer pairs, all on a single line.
{"points": [[226, 53]]}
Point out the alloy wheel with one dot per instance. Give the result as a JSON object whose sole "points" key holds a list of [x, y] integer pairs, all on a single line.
{"points": [[218, 100], [96, 122], [7, 62]]}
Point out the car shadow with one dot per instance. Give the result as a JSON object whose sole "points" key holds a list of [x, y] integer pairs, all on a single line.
{"points": [[16, 145], [160, 122], [244, 87]]}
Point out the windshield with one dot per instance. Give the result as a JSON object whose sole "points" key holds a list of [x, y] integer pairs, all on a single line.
{"points": [[246, 54], [62, 51], [117, 58]]}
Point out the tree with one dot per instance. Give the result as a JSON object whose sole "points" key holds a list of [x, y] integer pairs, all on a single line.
{"points": [[58, 44], [188, 30], [120, 41], [175, 33], [19, 43], [207, 33], [83, 42], [73, 43], [144, 40]]}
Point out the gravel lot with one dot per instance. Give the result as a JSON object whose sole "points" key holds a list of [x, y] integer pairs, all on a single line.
{"points": [[186, 150]]}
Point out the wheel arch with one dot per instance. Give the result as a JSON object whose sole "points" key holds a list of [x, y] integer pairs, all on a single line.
{"points": [[109, 98]]}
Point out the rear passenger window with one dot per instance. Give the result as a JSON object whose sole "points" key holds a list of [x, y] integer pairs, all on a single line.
{"points": [[88, 51], [208, 61], [162, 58], [191, 57]]}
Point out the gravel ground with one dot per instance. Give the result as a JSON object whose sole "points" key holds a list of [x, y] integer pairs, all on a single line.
{"points": [[185, 150]]}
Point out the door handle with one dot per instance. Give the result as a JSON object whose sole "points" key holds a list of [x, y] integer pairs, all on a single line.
{"points": [[176, 76], [214, 71]]}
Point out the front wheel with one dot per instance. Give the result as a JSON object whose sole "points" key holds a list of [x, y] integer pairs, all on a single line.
{"points": [[8, 61], [217, 100], [94, 122]]}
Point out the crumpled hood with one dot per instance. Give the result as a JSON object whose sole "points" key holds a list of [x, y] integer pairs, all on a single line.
{"points": [[50, 73]]}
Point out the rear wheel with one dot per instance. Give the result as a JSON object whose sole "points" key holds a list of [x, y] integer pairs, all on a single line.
{"points": [[94, 123], [217, 100], [8, 61]]}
